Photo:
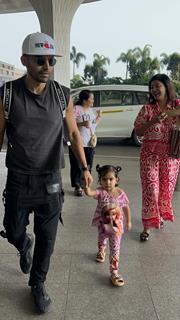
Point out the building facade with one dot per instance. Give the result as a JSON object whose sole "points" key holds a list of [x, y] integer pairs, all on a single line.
{"points": [[9, 72]]}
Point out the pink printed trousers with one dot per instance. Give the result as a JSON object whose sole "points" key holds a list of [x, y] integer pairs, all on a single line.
{"points": [[158, 178], [114, 247]]}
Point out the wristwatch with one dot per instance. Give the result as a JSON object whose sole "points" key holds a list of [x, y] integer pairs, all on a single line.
{"points": [[84, 168]]}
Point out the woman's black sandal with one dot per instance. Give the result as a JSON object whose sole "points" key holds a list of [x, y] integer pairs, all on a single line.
{"points": [[161, 224], [144, 236]]}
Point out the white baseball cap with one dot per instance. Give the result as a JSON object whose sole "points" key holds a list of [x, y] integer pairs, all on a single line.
{"points": [[39, 44]]}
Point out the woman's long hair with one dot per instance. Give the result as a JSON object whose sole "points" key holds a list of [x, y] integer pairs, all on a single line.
{"points": [[170, 91]]}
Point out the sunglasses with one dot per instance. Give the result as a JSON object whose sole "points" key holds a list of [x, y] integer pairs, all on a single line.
{"points": [[41, 61]]}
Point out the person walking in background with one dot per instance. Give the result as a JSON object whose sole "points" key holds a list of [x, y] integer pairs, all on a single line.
{"points": [[108, 217], [34, 159], [87, 121], [158, 170]]}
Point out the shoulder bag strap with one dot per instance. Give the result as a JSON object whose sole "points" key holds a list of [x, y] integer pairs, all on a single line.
{"points": [[62, 104], [61, 97], [7, 98], [177, 117]]}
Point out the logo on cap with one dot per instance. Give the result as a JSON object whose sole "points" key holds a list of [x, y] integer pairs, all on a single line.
{"points": [[45, 45]]}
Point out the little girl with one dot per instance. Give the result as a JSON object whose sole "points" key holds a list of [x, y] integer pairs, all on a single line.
{"points": [[108, 217]]}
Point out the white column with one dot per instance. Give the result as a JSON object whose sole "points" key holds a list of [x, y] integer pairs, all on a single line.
{"points": [[55, 17]]}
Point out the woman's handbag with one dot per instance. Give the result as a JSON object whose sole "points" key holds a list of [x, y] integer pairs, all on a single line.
{"points": [[93, 140], [174, 149]]}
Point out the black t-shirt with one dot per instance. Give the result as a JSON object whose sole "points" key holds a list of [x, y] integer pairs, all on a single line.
{"points": [[35, 130]]}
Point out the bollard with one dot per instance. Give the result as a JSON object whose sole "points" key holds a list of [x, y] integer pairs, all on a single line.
{"points": [[177, 188]]}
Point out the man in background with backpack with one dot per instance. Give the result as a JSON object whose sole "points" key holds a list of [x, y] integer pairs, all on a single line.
{"points": [[34, 125]]}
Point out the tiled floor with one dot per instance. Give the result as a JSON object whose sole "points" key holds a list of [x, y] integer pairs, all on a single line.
{"points": [[79, 287]]}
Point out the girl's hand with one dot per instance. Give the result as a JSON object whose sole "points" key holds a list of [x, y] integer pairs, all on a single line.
{"points": [[128, 226]]}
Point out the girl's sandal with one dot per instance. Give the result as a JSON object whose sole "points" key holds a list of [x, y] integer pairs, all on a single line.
{"points": [[100, 257], [144, 236], [117, 280]]}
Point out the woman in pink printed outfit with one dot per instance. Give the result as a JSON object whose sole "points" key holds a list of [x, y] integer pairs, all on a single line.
{"points": [[158, 170], [108, 217]]}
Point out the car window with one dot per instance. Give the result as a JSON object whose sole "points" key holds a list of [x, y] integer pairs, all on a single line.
{"points": [[141, 97], [115, 98], [96, 99]]}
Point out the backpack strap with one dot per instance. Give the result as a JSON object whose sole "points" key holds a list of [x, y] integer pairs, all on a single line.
{"points": [[61, 97], [62, 104], [7, 98]]}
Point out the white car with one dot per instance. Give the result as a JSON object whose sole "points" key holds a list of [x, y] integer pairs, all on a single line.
{"points": [[120, 105]]}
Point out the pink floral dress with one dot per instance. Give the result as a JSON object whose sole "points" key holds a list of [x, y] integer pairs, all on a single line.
{"points": [[157, 169], [114, 239]]}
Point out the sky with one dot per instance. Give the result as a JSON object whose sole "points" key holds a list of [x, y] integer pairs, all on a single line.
{"points": [[107, 27]]}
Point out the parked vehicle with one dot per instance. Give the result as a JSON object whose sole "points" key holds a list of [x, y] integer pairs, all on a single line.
{"points": [[120, 105]]}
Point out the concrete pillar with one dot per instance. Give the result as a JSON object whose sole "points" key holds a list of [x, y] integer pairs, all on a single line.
{"points": [[55, 17]]}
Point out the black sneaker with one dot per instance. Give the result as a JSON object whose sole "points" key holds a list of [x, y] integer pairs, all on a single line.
{"points": [[42, 300], [26, 255]]}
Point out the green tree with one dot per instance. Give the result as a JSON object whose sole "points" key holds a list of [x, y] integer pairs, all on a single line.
{"points": [[177, 87], [77, 81], [76, 58], [164, 60], [88, 73], [126, 58], [96, 73], [99, 72], [142, 66], [174, 66]]}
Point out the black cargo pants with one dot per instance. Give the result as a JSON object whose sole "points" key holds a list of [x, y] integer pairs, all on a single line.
{"points": [[75, 166], [42, 195]]}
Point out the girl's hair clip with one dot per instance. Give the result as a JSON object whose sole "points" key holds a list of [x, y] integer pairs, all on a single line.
{"points": [[107, 167]]}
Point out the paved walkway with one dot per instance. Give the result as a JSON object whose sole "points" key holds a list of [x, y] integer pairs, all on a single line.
{"points": [[79, 287]]}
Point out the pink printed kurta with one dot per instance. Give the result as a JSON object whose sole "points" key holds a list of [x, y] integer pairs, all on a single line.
{"points": [[158, 171]]}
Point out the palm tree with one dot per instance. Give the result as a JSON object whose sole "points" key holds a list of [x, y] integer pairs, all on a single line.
{"points": [[126, 58], [96, 72], [145, 65], [98, 67], [172, 63], [174, 66], [144, 53], [76, 57], [102, 60], [165, 60]]}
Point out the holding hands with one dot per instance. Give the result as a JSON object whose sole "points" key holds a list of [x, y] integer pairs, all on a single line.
{"points": [[128, 226]]}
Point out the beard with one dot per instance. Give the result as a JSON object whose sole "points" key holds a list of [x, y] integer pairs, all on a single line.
{"points": [[41, 76]]}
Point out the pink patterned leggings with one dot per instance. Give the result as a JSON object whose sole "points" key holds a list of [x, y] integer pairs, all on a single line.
{"points": [[114, 247]]}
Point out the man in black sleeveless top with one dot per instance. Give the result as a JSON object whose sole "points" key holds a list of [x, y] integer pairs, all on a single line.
{"points": [[34, 159]]}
